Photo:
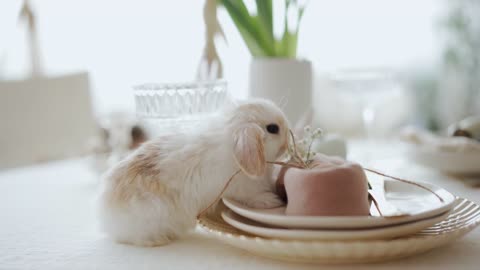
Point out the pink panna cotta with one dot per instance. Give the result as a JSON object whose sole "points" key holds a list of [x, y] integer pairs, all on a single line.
{"points": [[330, 187]]}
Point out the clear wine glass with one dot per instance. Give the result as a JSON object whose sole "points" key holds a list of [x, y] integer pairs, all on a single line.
{"points": [[382, 102], [375, 90]]}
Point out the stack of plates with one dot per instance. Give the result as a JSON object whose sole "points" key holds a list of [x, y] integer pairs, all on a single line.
{"points": [[424, 209], [271, 233]]}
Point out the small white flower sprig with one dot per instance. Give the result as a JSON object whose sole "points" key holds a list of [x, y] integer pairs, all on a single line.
{"points": [[301, 152]]}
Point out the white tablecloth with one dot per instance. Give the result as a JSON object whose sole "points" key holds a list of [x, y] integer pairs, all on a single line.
{"points": [[47, 221]]}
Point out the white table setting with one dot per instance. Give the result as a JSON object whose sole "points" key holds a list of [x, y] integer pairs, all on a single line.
{"points": [[149, 191], [49, 222]]}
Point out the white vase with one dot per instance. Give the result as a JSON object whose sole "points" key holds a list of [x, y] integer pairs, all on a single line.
{"points": [[287, 82]]}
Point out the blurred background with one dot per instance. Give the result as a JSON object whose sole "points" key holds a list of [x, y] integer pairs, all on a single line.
{"points": [[428, 52]]}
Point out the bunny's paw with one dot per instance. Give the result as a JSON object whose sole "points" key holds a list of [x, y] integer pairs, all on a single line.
{"points": [[265, 200]]}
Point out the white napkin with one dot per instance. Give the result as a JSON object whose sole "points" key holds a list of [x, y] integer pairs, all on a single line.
{"points": [[387, 209]]}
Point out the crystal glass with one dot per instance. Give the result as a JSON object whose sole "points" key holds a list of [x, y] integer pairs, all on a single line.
{"points": [[179, 105]]}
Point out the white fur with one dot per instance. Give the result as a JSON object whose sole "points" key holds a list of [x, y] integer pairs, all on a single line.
{"points": [[175, 177]]}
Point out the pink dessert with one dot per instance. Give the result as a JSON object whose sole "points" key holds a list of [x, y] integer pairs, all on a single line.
{"points": [[331, 187]]}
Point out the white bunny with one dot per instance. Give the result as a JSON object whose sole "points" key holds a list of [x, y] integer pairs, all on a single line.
{"points": [[155, 194]]}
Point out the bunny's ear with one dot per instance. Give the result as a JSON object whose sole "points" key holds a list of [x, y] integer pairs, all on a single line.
{"points": [[248, 150]]}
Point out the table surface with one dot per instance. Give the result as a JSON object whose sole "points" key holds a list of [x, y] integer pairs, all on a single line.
{"points": [[48, 221]]}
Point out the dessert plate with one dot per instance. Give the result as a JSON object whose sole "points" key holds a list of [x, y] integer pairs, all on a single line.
{"points": [[419, 203], [464, 163], [389, 232]]}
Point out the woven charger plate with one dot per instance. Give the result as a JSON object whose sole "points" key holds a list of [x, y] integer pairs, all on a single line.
{"points": [[464, 217]]}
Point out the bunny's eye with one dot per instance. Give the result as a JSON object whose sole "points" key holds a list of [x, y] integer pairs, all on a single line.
{"points": [[273, 128]]}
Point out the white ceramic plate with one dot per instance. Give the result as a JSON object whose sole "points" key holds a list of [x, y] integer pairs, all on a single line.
{"points": [[464, 217], [450, 162], [389, 232], [420, 203]]}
